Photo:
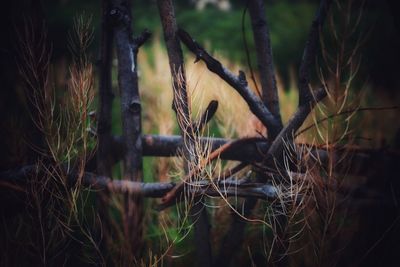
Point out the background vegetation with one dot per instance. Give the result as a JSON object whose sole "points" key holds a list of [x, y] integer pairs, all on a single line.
{"points": [[221, 31]]}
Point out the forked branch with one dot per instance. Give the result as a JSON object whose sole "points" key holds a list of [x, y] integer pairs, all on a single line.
{"points": [[238, 82], [307, 98], [104, 123]]}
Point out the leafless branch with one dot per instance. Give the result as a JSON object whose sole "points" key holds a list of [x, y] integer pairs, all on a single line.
{"points": [[264, 57], [105, 93], [234, 236], [181, 106], [228, 188], [293, 125], [127, 49], [239, 83], [310, 53], [206, 116], [250, 150], [307, 99]]}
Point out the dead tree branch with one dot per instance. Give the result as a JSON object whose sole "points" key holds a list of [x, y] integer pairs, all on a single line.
{"points": [[307, 99], [251, 150], [293, 125], [206, 116], [234, 236], [310, 53], [264, 56], [247, 150], [239, 83], [181, 106], [105, 93], [104, 158], [227, 188], [127, 49]]}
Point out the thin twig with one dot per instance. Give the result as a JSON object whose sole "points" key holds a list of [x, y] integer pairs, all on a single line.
{"points": [[344, 112]]}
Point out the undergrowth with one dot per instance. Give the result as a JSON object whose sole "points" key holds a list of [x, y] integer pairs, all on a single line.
{"points": [[60, 225]]}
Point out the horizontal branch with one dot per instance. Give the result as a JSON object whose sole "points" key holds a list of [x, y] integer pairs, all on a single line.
{"points": [[251, 151], [226, 188], [238, 82]]}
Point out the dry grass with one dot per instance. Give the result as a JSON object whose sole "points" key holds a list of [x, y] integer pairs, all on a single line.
{"points": [[306, 215], [54, 214]]}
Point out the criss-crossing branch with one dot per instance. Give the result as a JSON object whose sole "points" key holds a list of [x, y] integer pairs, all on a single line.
{"points": [[238, 82]]}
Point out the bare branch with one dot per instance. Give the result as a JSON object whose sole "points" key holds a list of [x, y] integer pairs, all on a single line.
{"points": [[307, 99], [264, 57], [142, 38], [233, 238], [127, 49], [293, 125], [104, 158], [239, 83], [181, 106], [228, 188], [175, 57], [251, 150], [247, 150], [104, 162], [310, 52]]}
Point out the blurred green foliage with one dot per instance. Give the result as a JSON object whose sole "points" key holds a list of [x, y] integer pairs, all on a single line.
{"points": [[220, 31]]}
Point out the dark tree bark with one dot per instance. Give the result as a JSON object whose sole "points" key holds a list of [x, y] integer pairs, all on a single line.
{"points": [[127, 48], [238, 82], [104, 157], [104, 120], [233, 239], [307, 100], [205, 117], [310, 53], [181, 105], [251, 150], [264, 57], [18, 179]]}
